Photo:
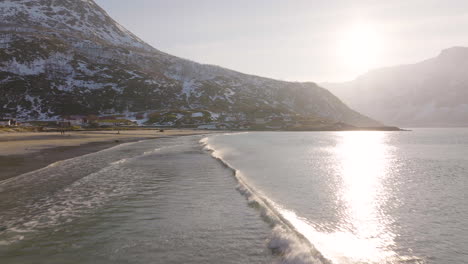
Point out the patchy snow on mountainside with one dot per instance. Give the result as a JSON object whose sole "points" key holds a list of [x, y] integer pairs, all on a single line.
{"points": [[68, 57], [69, 16]]}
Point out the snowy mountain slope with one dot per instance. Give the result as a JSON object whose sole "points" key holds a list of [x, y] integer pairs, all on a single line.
{"points": [[69, 57], [430, 93], [82, 17]]}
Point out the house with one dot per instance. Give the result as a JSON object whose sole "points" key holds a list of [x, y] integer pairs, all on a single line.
{"points": [[5, 122], [76, 120], [110, 117], [207, 126], [64, 124], [44, 123], [244, 125], [197, 114], [106, 124], [230, 118], [274, 127], [140, 116], [222, 126], [276, 118], [8, 122], [260, 121], [132, 123]]}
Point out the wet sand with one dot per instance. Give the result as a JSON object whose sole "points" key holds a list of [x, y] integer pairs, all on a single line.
{"points": [[24, 152]]}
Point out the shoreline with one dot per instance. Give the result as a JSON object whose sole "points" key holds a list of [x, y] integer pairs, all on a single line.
{"points": [[23, 152], [16, 165], [17, 158]]}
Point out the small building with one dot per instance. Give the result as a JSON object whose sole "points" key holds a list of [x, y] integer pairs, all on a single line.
{"points": [[76, 120], [27, 124], [274, 127], [4, 122], [8, 122], [207, 126], [244, 125], [222, 126], [107, 124], [260, 121], [107, 117], [64, 124], [229, 119], [197, 114]]}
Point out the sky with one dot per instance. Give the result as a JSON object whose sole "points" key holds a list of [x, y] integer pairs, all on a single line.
{"points": [[297, 40]]}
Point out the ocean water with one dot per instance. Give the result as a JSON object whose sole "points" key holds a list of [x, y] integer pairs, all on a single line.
{"points": [[259, 197]]}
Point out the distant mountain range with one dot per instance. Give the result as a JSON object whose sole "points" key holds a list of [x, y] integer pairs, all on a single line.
{"points": [[432, 93], [68, 57]]}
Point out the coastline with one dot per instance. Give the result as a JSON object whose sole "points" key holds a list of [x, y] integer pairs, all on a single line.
{"points": [[24, 152]]}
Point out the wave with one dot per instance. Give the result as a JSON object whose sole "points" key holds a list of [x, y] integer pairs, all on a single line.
{"points": [[296, 239], [87, 193], [286, 241], [67, 204], [57, 163]]}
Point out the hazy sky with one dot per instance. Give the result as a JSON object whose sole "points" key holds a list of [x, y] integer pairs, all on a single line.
{"points": [[297, 40]]}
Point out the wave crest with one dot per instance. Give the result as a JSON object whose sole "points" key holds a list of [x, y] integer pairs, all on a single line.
{"points": [[285, 241]]}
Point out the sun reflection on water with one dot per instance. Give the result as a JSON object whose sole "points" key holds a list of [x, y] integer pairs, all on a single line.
{"points": [[363, 160]]}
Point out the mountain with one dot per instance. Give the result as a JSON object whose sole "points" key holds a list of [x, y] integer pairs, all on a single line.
{"points": [[68, 57], [430, 93]]}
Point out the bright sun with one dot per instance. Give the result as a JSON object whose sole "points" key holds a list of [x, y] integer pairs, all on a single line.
{"points": [[360, 47]]}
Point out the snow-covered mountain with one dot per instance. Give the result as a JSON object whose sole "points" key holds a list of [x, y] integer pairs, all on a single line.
{"points": [[430, 93], [74, 17], [64, 57]]}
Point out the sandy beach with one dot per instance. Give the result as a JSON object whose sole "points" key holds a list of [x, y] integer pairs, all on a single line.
{"points": [[24, 152]]}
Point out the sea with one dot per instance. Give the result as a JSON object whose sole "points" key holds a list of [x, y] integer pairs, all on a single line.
{"points": [[251, 197]]}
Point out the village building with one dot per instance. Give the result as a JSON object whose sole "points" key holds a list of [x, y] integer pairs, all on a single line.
{"points": [[207, 126], [222, 126], [106, 124], [197, 114], [260, 121], [140, 116], [76, 120], [64, 124], [8, 122], [244, 125]]}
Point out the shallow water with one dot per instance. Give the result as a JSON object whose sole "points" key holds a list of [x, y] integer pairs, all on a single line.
{"points": [[162, 201], [363, 197], [311, 197]]}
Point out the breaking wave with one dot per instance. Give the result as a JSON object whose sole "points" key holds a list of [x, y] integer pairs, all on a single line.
{"points": [[297, 240], [80, 197], [286, 240]]}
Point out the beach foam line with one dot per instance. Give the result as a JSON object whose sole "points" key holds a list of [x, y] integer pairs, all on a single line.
{"points": [[72, 201], [286, 240], [61, 211], [65, 204], [146, 153], [63, 161], [294, 238]]}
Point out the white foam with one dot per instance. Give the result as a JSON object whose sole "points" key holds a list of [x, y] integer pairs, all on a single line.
{"points": [[88, 193], [25, 175], [298, 241], [286, 241]]}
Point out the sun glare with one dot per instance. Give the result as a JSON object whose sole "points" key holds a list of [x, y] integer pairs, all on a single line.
{"points": [[360, 47]]}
